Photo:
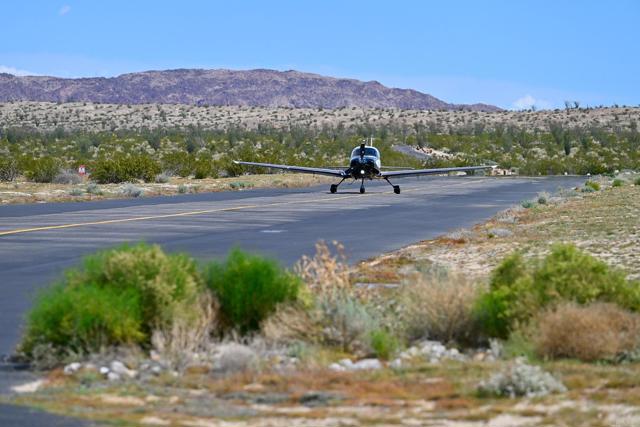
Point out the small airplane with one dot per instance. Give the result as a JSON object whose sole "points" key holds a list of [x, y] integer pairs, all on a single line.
{"points": [[365, 164]]}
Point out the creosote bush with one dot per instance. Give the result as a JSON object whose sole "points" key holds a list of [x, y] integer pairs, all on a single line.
{"points": [[125, 169], [617, 183], [42, 170], [520, 289], [249, 288], [118, 296], [598, 331], [8, 169]]}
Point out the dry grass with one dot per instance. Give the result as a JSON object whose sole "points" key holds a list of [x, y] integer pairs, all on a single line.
{"points": [[291, 322], [179, 344], [326, 272], [30, 192], [439, 308], [595, 332]]}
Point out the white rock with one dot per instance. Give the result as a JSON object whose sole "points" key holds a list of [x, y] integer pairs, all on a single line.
{"points": [[346, 363], [72, 368], [30, 387], [367, 364], [112, 376], [337, 367], [120, 369], [104, 370], [396, 363]]}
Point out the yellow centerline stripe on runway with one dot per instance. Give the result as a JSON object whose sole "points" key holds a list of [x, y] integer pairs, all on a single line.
{"points": [[174, 215]]}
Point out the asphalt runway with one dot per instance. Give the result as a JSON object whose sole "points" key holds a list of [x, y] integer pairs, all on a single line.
{"points": [[38, 242]]}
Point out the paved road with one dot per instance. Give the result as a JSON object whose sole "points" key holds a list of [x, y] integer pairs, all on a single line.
{"points": [[37, 242], [47, 238]]}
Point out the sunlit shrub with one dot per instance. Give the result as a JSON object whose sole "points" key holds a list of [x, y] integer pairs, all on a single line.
{"points": [[249, 288], [44, 169], [118, 296], [519, 289]]}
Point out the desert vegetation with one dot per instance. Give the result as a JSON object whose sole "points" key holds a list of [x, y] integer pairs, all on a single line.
{"points": [[558, 325], [575, 141]]}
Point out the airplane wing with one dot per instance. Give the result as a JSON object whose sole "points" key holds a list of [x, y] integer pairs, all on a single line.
{"points": [[301, 169], [415, 172]]}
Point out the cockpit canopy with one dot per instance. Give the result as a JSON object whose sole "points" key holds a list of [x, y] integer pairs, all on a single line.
{"points": [[368, 151]]}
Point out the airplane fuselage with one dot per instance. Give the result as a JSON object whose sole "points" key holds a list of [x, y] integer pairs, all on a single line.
{"points": [[365, 166]]}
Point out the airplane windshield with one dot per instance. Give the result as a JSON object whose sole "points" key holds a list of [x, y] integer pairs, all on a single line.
{"points": [[368, 151]]}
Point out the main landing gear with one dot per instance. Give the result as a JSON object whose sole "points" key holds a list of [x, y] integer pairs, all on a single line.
{"points": [[334, 187], [396, 188]]}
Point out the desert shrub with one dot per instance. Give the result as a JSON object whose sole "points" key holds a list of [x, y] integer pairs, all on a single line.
{"points": [[439, 308], [83, 319], [637, 181], [518, 290], [346, 323], [125, 168], [383, 344], [76, 192], [543, 198], [617, 183], [178, 163], [182, 189], [67, 177], [8, 169], [44, 169], [249, 288], [325, 272], [162, 178], [93, 188], [521, 379], [202, 169], [131, 190], [118, 296], [528, 204], [592, 332], [593, 185]]}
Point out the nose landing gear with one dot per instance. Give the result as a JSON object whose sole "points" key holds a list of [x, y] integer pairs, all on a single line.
{"points": [[362, 187]]}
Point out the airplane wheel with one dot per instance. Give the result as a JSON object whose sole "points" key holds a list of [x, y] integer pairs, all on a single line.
{"points": [[333, 188], [396, 189], [361, 190]]}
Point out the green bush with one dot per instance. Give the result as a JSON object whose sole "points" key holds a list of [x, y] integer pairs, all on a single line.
{"points": [[178, 163], [519, 290], [8, 169], [249, 287], [203, 169], [593, 185], [83, 318], [617, 183], [118, 296], [44, 169], [637, 181], [125, 168], [528, 204], [383, 344]]}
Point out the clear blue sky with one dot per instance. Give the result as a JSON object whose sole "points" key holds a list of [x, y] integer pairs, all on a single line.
{"points": [[508, 53]]}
